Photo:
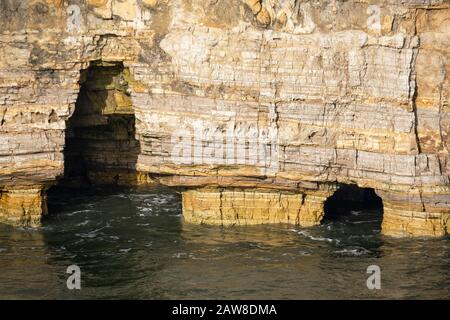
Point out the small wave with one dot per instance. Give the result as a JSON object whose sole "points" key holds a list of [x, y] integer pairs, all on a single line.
{"points": [[361, 222], [92, 234], [176, 215], [183, 255], [83, 223], [311, 237], [86, 235], [89, 235], [80, 211], [256, 245], [159, 200], [355, 212], [356, 252], [125, 250], [138, 196], [121, 195]]}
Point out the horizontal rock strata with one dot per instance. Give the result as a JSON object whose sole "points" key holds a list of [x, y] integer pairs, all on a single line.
{"points": [[248, 206], [258, 110], [23, 207]]}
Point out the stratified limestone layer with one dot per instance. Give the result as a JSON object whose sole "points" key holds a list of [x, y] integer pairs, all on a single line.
{"points": [[283, 95], [416, 213], [404, 214], [401, 222], [23, 207], [247, 207]]}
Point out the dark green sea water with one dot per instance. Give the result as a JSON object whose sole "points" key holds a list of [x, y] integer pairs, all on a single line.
{"points": [[134, 244]]}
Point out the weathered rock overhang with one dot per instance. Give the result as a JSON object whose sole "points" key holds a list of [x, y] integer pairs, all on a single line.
{"points": [[259, 111]]}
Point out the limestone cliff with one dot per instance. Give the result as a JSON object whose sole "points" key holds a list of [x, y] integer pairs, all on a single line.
{"points": [[258, 109]]}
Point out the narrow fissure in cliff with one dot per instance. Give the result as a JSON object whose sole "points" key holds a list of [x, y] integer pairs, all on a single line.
{"points": [[100, 146], [354, 204]]}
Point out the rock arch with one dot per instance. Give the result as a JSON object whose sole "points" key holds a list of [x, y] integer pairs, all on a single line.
{"points": [[100, 143], [352, 199]]}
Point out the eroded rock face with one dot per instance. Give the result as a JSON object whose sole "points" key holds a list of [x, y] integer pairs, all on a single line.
{"points": [[100, 145], [259, 109]]}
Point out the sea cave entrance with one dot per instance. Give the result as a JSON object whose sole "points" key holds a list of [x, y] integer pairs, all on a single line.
{"points": [[100, 144], [351, 203]]}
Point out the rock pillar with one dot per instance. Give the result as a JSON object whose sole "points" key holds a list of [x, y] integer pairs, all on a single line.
{"points": [[416, 213], [251, 206], [23, 207]]}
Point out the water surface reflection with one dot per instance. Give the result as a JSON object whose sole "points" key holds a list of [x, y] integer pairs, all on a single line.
{"points": [[134, 244]]}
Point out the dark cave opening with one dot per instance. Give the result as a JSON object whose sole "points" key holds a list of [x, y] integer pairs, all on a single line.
{"points": [[100, 144], [351, 200]]}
